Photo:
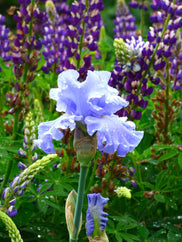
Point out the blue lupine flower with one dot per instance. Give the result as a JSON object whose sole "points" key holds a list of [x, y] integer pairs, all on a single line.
{"points": [[92, 103], [95, 218]]}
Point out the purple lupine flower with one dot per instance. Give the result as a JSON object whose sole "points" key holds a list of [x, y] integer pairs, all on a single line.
{"points": [[132, 61], [12, 202], [158, 18], [5, 193], [79, 38], [27, 45], [11, 211], [138, 4], [124, 22], [95, 218], [54, 36], [4, 41], [92, 103]]}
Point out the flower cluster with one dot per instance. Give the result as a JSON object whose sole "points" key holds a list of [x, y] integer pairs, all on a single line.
{"points": [[14, 233], [91, 103], [124, 22], [19, 183], [4, 41], [131, 64], [26, 45], [165, 34], [29, 137], [54, 36], [38, 112], [123, 192], [83, 33], [110, 169], [170, 45], [139, 4]]}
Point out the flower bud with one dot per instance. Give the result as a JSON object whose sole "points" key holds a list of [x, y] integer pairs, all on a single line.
{"points": [[85, 146], [69, 212], [123, 192], [121, 51]]}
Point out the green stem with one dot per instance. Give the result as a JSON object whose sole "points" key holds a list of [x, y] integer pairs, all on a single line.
{"points": [[10, 162], [142, 23], [2, 127], [92, 176], [81, 38], [29, 38], [79, 201], [8, 171], [15, 125], [138, 171], [167, 99]]}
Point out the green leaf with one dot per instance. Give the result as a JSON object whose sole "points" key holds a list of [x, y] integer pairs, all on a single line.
{"points": [[42, 205], [168, 155], [171, 203], [160, 198], [58, 190], [129, 237], [118, 237], [143, 231], [172, 237], [180, 160], [45, 187], [52, 204], [124, 226]]}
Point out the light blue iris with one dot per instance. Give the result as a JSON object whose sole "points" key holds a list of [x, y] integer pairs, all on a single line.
{"points": [[93, 103]]}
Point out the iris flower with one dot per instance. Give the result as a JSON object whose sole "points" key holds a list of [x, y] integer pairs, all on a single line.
{"points": [[95, 218], [91, 103]]}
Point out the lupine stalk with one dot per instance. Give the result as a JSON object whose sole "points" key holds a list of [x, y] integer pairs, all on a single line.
{"points": [[14, 233], [17, 186], [167, 97]]}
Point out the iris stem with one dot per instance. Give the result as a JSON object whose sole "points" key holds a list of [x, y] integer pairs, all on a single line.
{"points": [[92, 176], [79, 201]]}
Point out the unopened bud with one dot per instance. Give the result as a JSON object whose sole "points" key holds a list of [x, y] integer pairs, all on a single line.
{"points": [[85, 147], [69, 212]]}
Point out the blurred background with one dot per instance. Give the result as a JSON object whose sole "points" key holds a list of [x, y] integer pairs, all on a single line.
{"points": [[108, 14]]}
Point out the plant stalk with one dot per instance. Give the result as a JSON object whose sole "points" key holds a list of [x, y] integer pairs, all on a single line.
{"points": [[79, 201], [167, 99]]}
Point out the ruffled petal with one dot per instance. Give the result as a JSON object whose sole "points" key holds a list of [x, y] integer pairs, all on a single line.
{"points": [[114, 134], [92, 97], [48, 131]]}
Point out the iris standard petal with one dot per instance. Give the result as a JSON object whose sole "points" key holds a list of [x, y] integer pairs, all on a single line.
{"points": [[92, 97], [114, 134]]}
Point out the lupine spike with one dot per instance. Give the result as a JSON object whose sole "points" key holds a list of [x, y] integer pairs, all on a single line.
{"points": [[18, 185], [14, 233], [38, 112]]}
